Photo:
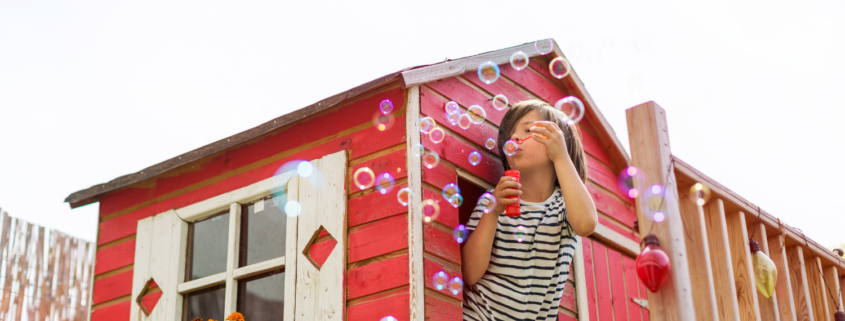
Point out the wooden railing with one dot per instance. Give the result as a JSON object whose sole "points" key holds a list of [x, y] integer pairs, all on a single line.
{"points": [[708, 245]]}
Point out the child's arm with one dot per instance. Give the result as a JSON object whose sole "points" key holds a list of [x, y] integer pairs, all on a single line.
{"points": [[580, 209], [475, 254]]}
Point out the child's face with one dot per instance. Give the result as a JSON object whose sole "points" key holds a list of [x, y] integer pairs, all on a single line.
{"points": [[531, 154]]}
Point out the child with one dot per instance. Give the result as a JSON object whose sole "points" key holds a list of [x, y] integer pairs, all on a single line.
{"points": [[510, 275]]}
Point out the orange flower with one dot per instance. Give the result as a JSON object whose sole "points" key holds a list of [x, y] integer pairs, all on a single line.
{"points": [[235, 317]]}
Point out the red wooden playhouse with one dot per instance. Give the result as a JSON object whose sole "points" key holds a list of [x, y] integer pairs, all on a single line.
{"points": [[205, 233]]}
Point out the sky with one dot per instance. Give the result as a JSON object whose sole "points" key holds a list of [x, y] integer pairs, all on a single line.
{"points": [[92, 90]]}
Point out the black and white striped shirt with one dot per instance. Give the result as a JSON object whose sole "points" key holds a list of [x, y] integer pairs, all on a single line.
{"points": [[528, 266]]}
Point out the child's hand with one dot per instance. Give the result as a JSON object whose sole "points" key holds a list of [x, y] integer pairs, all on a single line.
{"points": [[507, 187], [548, 134]]}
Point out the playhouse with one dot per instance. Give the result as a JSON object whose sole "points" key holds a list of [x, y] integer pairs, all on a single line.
{"points": [[240, 225]]}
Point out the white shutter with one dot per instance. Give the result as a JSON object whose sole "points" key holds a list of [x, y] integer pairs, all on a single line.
{"points": [[159, 255], [322, 196]]}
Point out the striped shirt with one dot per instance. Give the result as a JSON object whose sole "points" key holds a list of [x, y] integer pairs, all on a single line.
{"points": [[528, 267]]}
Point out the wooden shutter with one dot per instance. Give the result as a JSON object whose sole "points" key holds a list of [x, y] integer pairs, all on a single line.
{"points": [[159, 255]]}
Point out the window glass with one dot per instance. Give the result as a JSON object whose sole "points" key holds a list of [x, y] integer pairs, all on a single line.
{"points": [[263, 230], [262, 297], [207, 253], [205, 304]]}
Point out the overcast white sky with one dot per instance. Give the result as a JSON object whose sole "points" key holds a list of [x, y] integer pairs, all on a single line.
{"points": [[91, 90]]}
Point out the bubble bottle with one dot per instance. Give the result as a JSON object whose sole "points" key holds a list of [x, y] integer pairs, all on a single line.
{"points": [[513, 209]]}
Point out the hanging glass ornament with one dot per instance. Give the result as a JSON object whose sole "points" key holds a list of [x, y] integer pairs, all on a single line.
{"points": [[653, 264], [839, 316], [765, 272]]}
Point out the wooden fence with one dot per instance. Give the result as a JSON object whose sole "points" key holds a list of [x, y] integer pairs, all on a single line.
{"points": [[45, 274]]}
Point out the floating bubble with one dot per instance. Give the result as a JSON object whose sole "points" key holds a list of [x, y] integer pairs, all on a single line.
{"points": [[464, 121], [404, 196], [642, 42], [519, 233], [656, 189], [430, 210], [572, 108], [543, 46], [449, 190], [292, 208], [656, 203], [456, 285], [559, 67], [304, 168], [608, 41], [630, 179], [418, 150], [659, 217], [460, 233], [699, 193], [430, 159], [386, 106], [500, 102], [454, 118], [488, 72], [384, 183], [456, 200], [388, 318], [519, 60], [436, 135], [477, 114], [452, 108], [427, 124], [490, 143], [440, 280], [364, 177], [511, 147], [474, 158], [383, 121], [487, 202]]}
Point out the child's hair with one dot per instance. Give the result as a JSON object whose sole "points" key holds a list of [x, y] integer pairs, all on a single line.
{"points": [[570, 132]]}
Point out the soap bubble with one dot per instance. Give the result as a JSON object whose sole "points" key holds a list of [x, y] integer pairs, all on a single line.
{"points": [[456, 285], [630, 179], [383, 121], [304, 168], [477, 114], [659, 217], [292, 208], [464, 121], [488, 72], [474, 158], [452, 107], [386, 106], [559, 67], [490, 143], [449, 190], [430, 210], [500, 102], [364, 177], [519, 233], [642, 42], [519, 60], [656, 203], [454, 118], [404, 196], [487, 202], [572, 108], [440, 280], [543, 46], [510, 147], [656, 189], [456, 200], [388, 318], [436, 135], [430, 159], [699, 193], [418, 150], [427, 124], [384, 183], [460, 233]]}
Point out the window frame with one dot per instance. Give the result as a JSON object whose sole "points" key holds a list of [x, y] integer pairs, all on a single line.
{"points": [[233, 201]]}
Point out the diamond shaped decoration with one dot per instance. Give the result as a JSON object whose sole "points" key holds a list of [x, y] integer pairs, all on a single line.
{"points": [[149, 296], [319, 247]]}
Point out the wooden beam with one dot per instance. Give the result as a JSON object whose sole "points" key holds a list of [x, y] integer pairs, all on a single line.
{"points": [[818, 293], [746, 290], [800, 288], [768, 306], [720, 258], [649, 140], [701, 272], [831, 275], [416, 261], [452, 68], [783, 287], [616, 240], [581, 298]]}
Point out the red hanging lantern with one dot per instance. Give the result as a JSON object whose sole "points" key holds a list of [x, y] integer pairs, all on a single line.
{"points": [[839, 316], [653, 264]]}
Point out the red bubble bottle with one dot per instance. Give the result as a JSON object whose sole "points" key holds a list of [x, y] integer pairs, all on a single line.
{"points": [[513, 209]]}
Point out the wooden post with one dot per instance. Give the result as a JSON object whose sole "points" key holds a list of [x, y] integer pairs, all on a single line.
{"points": [[800, 288], [746, 290], [818, 293], [415, 216], [701, 273], [783, 289], [720, 255], [831, 275], [649, 141], [768, 307]]}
